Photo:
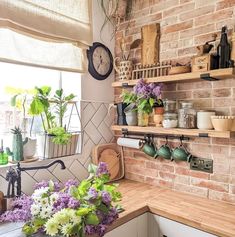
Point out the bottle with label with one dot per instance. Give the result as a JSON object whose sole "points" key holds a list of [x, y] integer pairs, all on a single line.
{"points": [[224, 49], [3, 155]]}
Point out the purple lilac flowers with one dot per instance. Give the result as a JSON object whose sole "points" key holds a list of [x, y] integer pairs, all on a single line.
{"points": [[102, 169], [152, 90], [20, 211]]}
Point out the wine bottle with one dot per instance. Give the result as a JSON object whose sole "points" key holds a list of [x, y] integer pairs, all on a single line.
{"points": [[224, 49]]}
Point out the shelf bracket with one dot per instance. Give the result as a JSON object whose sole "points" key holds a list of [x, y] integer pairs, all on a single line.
{"points": [[207, 77], [124, 132], [125, 85], [203, 135]]}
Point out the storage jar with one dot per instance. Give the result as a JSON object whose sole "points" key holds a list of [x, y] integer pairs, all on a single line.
{"points": [[187, 115]]}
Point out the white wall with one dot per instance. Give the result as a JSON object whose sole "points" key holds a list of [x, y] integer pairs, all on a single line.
{"points": [[93, 89]]}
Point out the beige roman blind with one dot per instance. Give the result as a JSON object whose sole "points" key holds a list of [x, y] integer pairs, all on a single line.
{"points": [[46, 33]]}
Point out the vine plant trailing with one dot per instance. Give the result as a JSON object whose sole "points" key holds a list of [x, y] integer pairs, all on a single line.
{"points": [[48, 107]]}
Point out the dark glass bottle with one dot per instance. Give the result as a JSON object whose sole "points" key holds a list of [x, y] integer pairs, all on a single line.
{"points": [[223, 49]]}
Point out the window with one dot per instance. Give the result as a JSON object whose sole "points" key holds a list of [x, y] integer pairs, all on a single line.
{"points": [[26, 77]]}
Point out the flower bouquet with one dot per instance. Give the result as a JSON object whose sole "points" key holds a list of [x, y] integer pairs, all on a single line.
{"points": [[68, 209], [145, 96]]}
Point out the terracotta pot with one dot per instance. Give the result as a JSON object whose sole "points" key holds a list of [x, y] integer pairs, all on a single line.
{"points": [[158, 118], [159, 110]]}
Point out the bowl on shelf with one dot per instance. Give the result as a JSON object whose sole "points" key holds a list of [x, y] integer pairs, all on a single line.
{"points": [[223, 123]]}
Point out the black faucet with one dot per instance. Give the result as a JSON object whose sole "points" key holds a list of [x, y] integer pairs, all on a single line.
{"points": [[19, 169]]}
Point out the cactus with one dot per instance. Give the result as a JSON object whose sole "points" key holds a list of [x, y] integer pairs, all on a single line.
{"points": [[17, 145]]}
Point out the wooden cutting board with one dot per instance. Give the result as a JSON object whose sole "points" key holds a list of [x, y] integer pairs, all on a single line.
{"points": [[150, 35], [112, 155]]}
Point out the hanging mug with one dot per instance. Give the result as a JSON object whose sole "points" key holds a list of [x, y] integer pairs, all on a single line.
{"points": [[124, 69], [180, 153], [165, 151], [149, 148]]}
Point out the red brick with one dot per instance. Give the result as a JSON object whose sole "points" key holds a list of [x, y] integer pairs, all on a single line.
{"points": [[225, 4], [221, 92], [178, 27], [203, 192], [221, 187], [217, 16], [197, 12], [178, 9]]}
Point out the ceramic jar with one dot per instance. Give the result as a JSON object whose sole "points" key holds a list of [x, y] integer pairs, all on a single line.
{"points": [[131, 115], [143, 119], [124, 69], [170, 120], [187, 115], [204, 119]]}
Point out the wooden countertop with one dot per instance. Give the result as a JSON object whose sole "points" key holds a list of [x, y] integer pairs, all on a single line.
{"points": [[214, 217]]}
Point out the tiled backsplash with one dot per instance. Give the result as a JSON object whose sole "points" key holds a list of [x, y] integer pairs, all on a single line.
{"points": [[184, 25], [96, 124]]}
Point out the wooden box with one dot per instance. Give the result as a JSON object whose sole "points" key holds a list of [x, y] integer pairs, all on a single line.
{"points": [[203, 63]]}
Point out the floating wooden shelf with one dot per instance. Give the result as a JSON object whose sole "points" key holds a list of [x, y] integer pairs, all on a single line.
{"points": [[192, 76], [173, 131]]}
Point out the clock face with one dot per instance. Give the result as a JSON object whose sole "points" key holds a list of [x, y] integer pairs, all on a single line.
{"points": [[101, 60]]}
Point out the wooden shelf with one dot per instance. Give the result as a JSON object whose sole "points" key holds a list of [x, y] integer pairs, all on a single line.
{"points": [[192, 76], [174, 131]]}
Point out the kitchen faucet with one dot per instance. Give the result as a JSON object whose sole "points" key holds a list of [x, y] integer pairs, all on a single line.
{"points": [[19, 169]]}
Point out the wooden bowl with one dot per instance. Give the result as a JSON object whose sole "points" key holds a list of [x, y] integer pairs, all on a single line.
{"points": [[222, 123], [179, 70]]}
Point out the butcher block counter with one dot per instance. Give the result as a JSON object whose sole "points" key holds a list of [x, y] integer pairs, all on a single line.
{"points": [[214, 217]]}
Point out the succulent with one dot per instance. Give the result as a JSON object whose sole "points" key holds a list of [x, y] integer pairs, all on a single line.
{"points": [[16, 130]]}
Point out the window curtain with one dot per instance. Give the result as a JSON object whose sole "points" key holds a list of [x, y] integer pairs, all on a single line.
{"points": [[47, 33]]}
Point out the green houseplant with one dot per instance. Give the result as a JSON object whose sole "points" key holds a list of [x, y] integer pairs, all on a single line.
{"points": [[145, 96], [52, 110]]}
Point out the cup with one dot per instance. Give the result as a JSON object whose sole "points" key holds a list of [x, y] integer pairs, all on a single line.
{"points": [[165, 152], [181, 154], [150, 150]]}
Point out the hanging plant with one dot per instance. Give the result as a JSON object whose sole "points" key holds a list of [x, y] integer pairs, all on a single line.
{"points": [[115, 11]]}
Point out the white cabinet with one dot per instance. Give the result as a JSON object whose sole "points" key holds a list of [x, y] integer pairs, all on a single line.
{"points": [[162, 227], [149, 225], [137, 227]]}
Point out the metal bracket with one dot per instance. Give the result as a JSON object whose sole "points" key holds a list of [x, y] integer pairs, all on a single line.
{"points": [[125, 85], [203, 135], [207, 77], [124, 132]]}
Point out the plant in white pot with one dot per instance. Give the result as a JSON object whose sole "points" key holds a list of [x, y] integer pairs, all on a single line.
{"points": [[57, 140]]}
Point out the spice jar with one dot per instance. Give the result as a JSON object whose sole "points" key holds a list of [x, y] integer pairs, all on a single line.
{"points": [[187, 115], [169, 105], [170, 120]]}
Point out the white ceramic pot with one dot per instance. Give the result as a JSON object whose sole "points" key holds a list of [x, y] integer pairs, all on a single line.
{"points": [[204, 120], [30, 148]]}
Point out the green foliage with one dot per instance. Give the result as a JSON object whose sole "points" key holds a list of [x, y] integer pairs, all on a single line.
{"points": [[60, 135], [129, 97], [45, 105]]}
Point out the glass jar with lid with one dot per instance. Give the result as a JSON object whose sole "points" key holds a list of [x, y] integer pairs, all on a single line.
{"points": [[170, 120], [187, 115], [169, 105]]}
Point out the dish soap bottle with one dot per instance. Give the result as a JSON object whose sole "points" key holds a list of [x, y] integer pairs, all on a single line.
{"points": [[3, 155], [224, 49]]}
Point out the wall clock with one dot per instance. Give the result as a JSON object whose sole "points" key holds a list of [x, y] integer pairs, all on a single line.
{"points": [[100, 61]]}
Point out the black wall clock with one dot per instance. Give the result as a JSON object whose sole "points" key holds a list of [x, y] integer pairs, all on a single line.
{"points": [[100, 61]]}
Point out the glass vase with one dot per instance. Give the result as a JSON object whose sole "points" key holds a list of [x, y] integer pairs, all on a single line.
{"points": [[143, 119]]}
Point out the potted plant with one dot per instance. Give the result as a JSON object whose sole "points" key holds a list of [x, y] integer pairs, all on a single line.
{"points": [[130, 111], [57, 140], [145, 96], [158, 112]]}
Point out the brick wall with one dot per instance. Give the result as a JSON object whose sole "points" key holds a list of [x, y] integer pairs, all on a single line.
{"points": [[184, 25]]}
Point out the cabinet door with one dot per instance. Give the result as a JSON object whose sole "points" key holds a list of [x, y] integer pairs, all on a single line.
{"points": [[169, 228], [136, 227]]}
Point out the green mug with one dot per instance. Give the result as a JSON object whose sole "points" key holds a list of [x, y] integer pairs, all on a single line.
{"points": [[165, 152], [181, 154], [150, 149]]}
